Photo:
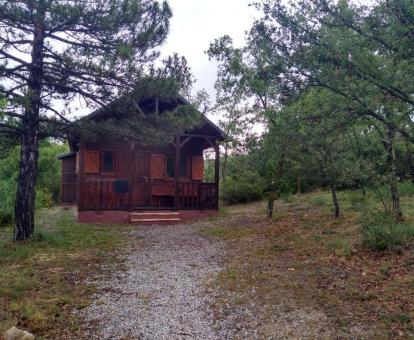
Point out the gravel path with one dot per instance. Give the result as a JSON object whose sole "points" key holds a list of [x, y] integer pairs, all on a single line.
{"points": [[161, 294]]}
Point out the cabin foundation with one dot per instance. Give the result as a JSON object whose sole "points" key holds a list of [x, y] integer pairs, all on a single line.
{"points": [[142, 216]]}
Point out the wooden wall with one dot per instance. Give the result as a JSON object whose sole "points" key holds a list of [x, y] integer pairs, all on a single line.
{"points": [[142, 169], [68, 180]]}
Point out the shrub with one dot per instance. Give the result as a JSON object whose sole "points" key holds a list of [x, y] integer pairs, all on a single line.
{"points": [[406, 188], [6, 217], [7, 194], [381, 232], [356, 199], [44, 198], [320, 200], [241, 191], [286, 197], [48, 181]]}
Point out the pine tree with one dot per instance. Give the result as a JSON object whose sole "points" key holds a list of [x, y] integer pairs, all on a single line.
{"points": [[58, 51]]}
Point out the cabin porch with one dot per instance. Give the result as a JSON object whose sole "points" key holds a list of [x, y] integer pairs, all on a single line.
{"points": [[107, 194]]}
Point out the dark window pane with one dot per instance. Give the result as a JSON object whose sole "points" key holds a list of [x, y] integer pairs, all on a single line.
{"points": [[121, 186], [170, 166], [108, 162], [183, 167]]}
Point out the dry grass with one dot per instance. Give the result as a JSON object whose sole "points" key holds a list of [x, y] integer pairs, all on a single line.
{"points": [[43, 281], [306, 260]]}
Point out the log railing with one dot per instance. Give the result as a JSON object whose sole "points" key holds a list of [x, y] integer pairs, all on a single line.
{"points": [[99, 194], [197, 195]]}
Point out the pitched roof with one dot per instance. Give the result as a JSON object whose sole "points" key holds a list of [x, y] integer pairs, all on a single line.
{"points": [[150, 104]]}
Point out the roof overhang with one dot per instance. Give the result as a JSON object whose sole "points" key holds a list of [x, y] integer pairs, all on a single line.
{"points": [[66, 155]]}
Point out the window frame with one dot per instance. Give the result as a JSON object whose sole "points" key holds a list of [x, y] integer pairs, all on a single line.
{"points": [[185, 166], [86, 171], [103, 172]]}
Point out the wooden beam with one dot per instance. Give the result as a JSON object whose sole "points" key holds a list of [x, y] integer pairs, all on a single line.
{"points": [[157, 105], [199, 136], [141, 113], [217, 172], [184, 142], [210, 142], [177, 172]]}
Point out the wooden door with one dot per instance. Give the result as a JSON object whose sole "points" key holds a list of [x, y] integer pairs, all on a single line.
{"points": [[140, 181]]}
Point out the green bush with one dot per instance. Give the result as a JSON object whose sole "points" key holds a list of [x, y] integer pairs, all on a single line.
{"points": [[356, 199], [381, 232], [241, 190], [7, 194], [44, 198], [48, 181], [406, 188], [320, 200]]}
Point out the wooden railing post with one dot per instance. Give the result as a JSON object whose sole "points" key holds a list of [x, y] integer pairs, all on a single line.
{"points": [[217, 173], [177, 172], [80, 174]]}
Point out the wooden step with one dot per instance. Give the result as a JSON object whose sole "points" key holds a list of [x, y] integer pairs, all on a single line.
{"points": [[158, 216], [155, 220], [154, 217], [157, 213]]}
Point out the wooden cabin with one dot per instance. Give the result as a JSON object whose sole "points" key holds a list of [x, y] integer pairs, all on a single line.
{"points": [[113, 180]]}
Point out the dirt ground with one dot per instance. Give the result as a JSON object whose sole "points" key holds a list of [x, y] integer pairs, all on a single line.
{"points": [[303, 275]]}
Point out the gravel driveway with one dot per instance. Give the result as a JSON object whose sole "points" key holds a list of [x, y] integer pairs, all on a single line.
{"points": [[161, 294]]}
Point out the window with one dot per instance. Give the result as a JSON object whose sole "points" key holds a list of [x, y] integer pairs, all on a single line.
{"points": [[157, 167], [91, 162], [183, 167], [108, 162], [197, 168], [171, 166]]}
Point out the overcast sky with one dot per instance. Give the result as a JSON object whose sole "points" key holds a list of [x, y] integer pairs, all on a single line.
{"points": [[196, 23]]}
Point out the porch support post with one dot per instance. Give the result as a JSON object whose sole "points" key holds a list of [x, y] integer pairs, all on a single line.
{"points": [[217, 172], [80, 182], [177, 172]]}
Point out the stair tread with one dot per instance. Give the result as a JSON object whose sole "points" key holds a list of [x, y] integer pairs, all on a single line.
{"points": [[153, 213], [155, 219]]}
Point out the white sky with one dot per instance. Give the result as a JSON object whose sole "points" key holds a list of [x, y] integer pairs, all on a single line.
{"points": [[196, 23]]}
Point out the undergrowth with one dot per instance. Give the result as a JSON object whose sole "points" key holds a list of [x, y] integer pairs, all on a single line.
{"points": [[380, 231]]}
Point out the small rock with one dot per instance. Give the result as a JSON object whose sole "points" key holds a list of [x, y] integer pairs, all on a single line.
{"points": [[17, 334]]}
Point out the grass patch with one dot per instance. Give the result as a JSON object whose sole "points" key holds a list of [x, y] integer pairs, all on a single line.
{"points": [[406, 188], [341, 247], [320, 200], [41, 279], [226, 232], [396, 318]]}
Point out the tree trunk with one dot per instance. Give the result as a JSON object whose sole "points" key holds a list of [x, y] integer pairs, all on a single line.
{"points": [[275, 188], [270, 204], [409, 160], [298, 185], [393, 178], [224, 167], [334, 199], [364, 191], [26, 190]]}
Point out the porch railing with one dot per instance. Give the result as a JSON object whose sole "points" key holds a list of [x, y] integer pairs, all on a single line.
{"points": [[99, 194], [197, 195]]}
